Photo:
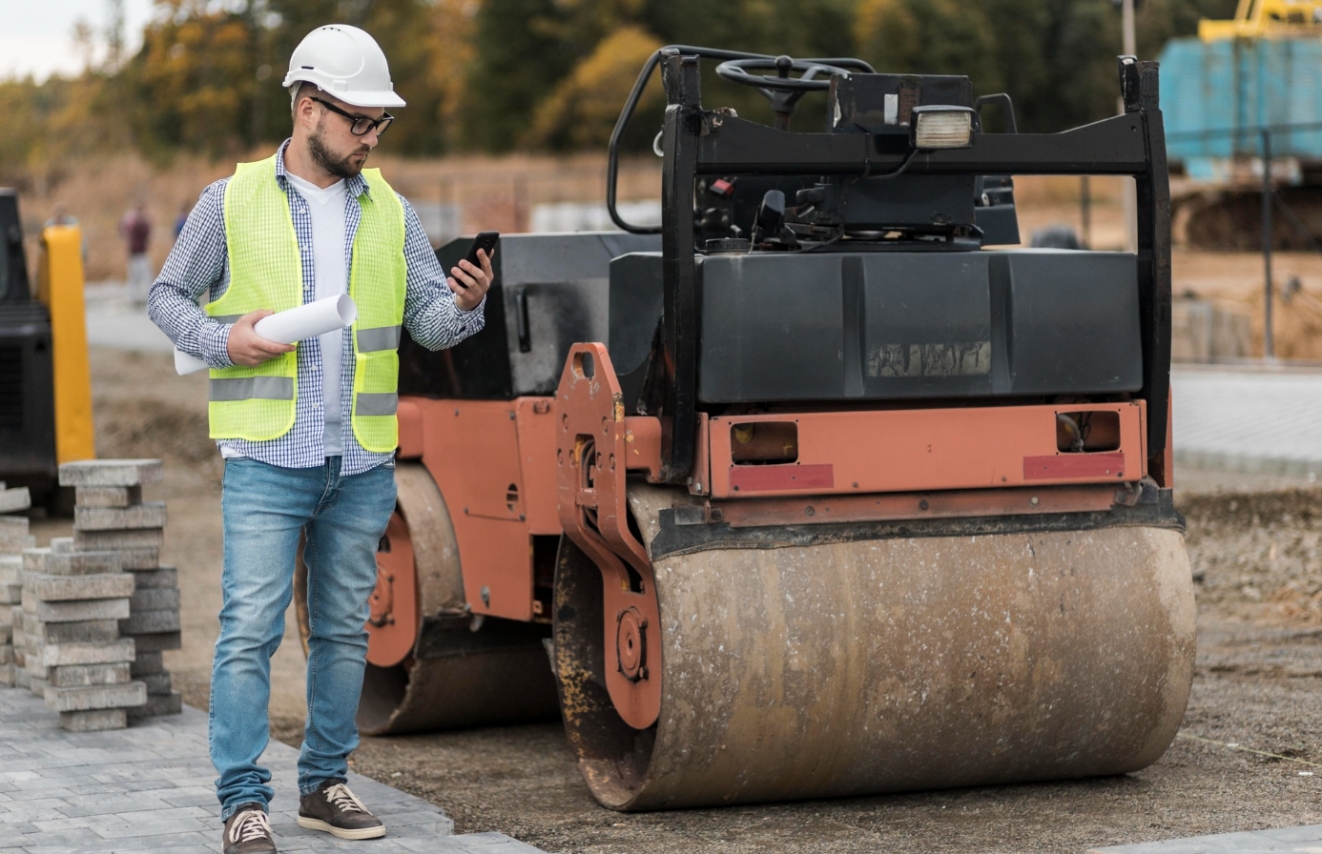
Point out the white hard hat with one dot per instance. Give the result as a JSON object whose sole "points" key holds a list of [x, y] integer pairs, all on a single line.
{"points": [[345, 62]]}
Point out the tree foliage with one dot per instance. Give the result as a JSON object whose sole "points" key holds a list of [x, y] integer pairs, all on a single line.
{"points": [[496, 75]]}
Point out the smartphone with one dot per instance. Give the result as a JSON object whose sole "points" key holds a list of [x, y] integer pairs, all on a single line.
{"points": [[485, 240]]}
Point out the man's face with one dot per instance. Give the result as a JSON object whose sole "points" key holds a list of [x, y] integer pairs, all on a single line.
{"points": [[331, 143]]}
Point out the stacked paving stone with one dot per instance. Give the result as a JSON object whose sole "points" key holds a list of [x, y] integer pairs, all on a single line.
{"points": [[74, 656], [110, 517], [14, 537]]}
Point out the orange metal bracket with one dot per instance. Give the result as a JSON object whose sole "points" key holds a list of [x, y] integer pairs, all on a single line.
{"points": [[593, 450], [392, 623]]}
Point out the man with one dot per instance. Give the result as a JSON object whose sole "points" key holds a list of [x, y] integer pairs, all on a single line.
{"points": [[307, 432], [135, 228]]}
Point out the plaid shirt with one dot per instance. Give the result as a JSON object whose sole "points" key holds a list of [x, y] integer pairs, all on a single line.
{"points": [[198, 262]]}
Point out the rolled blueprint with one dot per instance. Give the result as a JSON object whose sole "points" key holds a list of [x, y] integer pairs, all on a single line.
{"points": [[289, 327]]}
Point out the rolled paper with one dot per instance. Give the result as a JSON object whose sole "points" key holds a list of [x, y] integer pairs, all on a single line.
{"points": [[289, 327]]}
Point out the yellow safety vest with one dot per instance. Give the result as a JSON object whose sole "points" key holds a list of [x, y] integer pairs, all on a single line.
{"points": [[266, 271]]}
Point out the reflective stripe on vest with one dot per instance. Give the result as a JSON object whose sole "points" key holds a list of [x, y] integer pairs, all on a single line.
{"points": [[381, 338], [264, 388], [266, 272], [375, 404]]}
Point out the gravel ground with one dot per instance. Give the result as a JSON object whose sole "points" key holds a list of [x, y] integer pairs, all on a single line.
{"points": [[1254, 543]]}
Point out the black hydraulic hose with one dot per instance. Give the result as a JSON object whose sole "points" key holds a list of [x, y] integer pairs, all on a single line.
{"points": [[613, 151]]}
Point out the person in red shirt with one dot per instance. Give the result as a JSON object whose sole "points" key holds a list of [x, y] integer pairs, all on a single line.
{"points": [[136, 230]]}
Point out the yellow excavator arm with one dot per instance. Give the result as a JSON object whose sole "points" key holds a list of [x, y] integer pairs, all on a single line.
{"points": [[60, 287], [1267, 19]]}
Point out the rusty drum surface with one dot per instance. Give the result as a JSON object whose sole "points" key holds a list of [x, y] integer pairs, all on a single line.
{"points": [[889, 665]]}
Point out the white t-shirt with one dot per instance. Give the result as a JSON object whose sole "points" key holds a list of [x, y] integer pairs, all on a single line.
{"points": [[331, 273]]}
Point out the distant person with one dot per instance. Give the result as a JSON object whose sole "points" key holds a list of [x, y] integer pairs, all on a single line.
{"points": [[136, 230], [308, 433], [60, 216], [181, 219]]}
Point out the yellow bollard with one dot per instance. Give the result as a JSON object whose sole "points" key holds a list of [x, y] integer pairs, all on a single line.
{"points": [[60, 287]]}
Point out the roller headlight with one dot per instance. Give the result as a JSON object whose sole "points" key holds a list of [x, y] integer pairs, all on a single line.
{"points": [[941, 127]]}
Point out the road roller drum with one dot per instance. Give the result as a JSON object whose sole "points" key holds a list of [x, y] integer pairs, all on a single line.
{"points": [[868, 666]]}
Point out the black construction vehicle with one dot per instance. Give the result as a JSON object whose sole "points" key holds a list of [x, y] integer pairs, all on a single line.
{"points": [[27, 391]]}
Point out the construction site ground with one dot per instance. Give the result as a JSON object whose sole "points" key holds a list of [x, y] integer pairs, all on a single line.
{"points": [[1254, 540]]}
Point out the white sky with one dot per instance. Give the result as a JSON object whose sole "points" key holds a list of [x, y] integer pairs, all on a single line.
{"points": [[36, 36]]}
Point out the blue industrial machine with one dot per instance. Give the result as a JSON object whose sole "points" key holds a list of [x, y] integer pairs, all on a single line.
{"points": [[1242, 87]]}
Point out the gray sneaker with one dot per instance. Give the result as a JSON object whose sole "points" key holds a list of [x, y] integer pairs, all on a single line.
{"points": [[248, 831], [336, 810]]}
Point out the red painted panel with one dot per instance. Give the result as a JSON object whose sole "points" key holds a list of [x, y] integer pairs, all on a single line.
{"points": [[1074, 465], [746, 479]]}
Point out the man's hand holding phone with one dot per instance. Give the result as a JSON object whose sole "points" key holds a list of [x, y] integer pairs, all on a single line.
{"points": [[473, 275]]}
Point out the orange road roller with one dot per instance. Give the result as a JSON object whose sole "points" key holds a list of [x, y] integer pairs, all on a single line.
{"points": [[819, 487]]}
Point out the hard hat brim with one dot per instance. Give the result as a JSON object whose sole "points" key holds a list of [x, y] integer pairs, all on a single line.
{"points": [[370, 99]]}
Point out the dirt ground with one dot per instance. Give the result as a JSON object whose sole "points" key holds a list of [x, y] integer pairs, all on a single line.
{"points": [[1254, 543]]}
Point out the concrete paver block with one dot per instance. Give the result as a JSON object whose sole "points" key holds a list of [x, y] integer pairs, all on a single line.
{"points": [[85, 675], [136, 560], [82, 631], [16, 543], [83, 609], [148, 663], [10, 568], [56, 655], [150, 622], [93, 720], [96, 697], [82, 563], [167, 577], [159, 641], [1278, 841], [157, 683], [150, 515], [158, 705], [154, 599], [63, 588], [140, 538], [13, 500], [111, 472], [108, 496]]}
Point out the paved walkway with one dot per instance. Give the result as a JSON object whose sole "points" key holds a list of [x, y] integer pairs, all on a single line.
{"points": [[1249, 419], [113, 321], [151, 788], [1286, 840]]}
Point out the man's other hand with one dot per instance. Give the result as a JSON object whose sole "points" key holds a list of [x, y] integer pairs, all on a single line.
{"points": [[249, 349], [470, 282]]}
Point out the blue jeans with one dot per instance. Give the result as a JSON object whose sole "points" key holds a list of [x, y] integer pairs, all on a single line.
{"points": [[265, 508]]}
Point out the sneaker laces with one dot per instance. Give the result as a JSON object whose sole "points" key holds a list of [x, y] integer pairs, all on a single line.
{"points": [[251, 825], [344, 800]]}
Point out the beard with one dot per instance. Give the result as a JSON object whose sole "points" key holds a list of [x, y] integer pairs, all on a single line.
{"points": [[340, 167]]}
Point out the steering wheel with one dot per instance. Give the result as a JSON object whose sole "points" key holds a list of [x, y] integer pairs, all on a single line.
{"points": [[782, 90]]}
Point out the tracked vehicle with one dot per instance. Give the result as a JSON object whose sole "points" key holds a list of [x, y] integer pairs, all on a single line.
{"points": [[807, 491]]}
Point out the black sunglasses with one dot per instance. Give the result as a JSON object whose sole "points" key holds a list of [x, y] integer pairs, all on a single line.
{"points": [[362, 125]]}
